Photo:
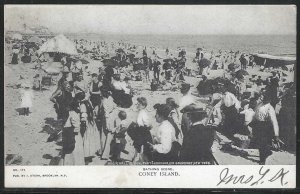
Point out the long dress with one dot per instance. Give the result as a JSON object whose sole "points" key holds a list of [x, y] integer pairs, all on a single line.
{"points": [[91, 137], [264, 126], [197, 144], [15, 57], [73, 153], [106, 134], [27, 96], [95, 98]]}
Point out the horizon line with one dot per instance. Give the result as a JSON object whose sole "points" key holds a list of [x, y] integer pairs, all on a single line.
{"points": [[110, 33]]}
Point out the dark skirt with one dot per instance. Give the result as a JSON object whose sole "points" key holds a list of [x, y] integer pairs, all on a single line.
{"points": [[197, 143], [287, 126], [172, 156], [14, 59], [232, 123], [263, 134], [140, 137], [68, 139], [95, 99]]}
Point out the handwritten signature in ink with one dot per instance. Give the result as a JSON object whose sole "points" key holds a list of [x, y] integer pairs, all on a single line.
{"points": [[264, 174]]}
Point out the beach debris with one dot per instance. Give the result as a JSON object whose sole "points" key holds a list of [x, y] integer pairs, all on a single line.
{"points": [[13, 159]]}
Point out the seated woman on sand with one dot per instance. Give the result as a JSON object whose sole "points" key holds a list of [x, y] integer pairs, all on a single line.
{"points": [[165, 147], [121, 93]]}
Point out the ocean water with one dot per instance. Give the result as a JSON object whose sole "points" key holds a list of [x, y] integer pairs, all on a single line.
{"points": [[271, 44]]}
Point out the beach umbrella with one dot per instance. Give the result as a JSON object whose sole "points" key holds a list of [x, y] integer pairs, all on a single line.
{"points": [[35, 40], [130, 55], [59, 44], [17, 36], [239, 76], [124, 64], [168, 59], [109, 62], [232, 66], [242, 72], [139, 66], [119, 50], [204, 62], [76, 58]]}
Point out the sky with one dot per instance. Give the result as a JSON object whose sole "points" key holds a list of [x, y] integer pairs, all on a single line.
{"points": [[155, 19]]}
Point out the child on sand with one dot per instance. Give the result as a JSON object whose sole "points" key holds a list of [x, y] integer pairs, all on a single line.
{"points": [[26, 98], [120, 127]]}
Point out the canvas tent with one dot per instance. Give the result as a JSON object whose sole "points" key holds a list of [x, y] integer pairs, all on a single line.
{"points": [[59, 44]]}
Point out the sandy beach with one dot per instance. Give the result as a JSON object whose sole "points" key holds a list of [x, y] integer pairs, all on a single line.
{"points": [[26, 136]]}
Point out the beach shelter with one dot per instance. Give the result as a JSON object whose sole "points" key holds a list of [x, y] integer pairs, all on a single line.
{"points": [[17, 36], [59, 44], [273, 61], [36, 40]]}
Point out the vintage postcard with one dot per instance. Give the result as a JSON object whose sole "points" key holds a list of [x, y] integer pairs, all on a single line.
{"points": [[150, 96]]}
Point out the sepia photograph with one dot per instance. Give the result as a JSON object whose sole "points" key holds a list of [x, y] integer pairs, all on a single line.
{"points": [[131, 85]]}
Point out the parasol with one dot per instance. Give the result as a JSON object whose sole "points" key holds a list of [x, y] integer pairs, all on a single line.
{"points": [[35, 40], [130, 55], [124, 64], [232, 66], [168, 59], [77, 58], [17, 37], [109, 62], [242, 72], [59, 44], [119, 50], [139, 66], [204, 63]]}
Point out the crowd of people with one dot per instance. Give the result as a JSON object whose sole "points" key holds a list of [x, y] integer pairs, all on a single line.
{"points": [[93, 108]]}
